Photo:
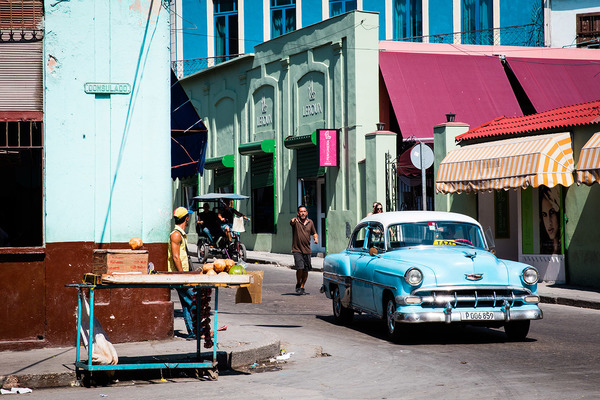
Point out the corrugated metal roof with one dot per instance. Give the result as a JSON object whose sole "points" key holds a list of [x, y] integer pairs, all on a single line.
{"points": [[563, 117], [423, 88], [552, 83]]}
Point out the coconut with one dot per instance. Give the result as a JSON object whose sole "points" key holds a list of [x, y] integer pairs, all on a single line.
{"points": [[207, 267], [219, 265]]}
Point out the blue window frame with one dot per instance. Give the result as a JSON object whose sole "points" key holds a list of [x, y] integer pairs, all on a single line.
{"points": [[226, 29], [477, 22], [283, 17], [408, 19], [337, 7]]}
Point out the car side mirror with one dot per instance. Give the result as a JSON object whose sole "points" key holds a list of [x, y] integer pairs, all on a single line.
{"points": [[489, 236], [372, 251]]}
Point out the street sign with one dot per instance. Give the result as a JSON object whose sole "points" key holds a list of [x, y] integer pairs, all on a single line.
{"points": [[107, 88], [421, 153], [421, 156]]}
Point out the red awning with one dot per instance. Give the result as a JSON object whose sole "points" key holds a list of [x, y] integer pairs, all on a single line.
{"points": [[423, 88], [553, 83]]}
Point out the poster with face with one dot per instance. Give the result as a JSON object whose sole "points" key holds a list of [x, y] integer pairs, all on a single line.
{"points": [[550, 220]]}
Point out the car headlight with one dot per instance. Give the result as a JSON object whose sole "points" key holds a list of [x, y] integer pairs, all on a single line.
{"points": [[413, 277], [530, 276]]}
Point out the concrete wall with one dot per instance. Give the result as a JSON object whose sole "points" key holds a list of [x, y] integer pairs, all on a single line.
{"points": [[106, 171], [563, 20], [582, 213], [107, 157]]}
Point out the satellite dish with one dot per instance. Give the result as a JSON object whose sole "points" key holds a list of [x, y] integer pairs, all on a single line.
{"points": [[421, 153]]}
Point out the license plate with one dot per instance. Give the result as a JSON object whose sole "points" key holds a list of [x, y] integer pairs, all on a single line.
{"points": [[477, 315]]}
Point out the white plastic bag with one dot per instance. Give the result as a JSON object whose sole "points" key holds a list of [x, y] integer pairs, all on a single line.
{"points": [[238, 224], [104, 352]]}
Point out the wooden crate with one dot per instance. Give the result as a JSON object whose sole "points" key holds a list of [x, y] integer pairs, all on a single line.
{"points": [[110, 261]]}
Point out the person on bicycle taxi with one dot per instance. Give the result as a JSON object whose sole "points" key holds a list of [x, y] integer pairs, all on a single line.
{"points": [[208, 222], [226, 213]]}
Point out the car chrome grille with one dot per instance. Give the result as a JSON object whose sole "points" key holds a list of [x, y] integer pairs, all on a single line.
{"points": [[470, 298]]}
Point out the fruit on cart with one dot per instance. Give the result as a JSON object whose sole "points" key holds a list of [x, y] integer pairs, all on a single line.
{"points": [[237, 270], [219, 265], [135, 243], [228, 264], [208, 266], [211, 272], [223, 273]]}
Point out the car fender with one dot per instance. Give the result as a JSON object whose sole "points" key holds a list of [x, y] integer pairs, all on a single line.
{"points": [[336, 271], [389, 276], [515, 270]]}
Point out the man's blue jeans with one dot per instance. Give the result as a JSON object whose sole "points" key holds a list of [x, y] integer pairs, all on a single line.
{"points": [[186, 297], [207, 233]]}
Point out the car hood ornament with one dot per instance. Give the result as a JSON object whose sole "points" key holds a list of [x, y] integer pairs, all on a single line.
{"points": [[474, 277], [471, 255]]}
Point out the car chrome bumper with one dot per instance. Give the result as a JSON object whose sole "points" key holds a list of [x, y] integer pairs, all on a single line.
{"points": [[450, 316]]}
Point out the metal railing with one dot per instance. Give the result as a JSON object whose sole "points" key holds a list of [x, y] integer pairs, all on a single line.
{"points": [[519, 35], [187, 67]]}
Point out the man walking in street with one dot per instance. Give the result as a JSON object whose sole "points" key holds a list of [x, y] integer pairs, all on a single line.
{"points": [[302, 229], [178, 261]]}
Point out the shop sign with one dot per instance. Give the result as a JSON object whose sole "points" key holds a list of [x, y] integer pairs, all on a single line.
{"points": [[107, 88], [327, 144], [264, 119], [312, 108]]}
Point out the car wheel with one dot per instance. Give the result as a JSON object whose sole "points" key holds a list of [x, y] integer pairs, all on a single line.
{"points": [[341, 314], [517, 330], [393, 328]]}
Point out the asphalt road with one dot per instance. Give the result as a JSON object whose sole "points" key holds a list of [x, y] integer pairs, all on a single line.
{"points": [[560, 359]]}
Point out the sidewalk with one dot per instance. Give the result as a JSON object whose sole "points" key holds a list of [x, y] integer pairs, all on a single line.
{"points": [[238, 346]]}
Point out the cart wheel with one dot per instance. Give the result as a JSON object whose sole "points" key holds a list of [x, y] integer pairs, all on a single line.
{"points": [[242, 255], [212, 374], [203, 252]]}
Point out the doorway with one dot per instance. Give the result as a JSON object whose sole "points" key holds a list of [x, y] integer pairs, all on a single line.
{"points": [[311, 193]]}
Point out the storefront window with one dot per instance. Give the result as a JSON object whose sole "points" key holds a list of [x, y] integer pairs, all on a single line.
{"points": [[550, 211], [263, 218], [542, 216], [263, 201], [21, 194]]}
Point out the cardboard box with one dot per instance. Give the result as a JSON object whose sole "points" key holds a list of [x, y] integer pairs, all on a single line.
{"points": [[110, 261], [253, 292]]}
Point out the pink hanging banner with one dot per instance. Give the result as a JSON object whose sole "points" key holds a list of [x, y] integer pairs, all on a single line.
{"points": [[327, 142]]}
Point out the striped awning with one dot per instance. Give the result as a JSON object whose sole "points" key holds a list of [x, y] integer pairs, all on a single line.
{"points": [[504, 164], [588, 167]]}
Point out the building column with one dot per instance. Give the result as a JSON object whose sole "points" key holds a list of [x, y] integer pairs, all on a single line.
{"points": [[377, 144]]}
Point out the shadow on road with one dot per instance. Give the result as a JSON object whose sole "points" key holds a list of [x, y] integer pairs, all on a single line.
{"points": [[428, 334]]}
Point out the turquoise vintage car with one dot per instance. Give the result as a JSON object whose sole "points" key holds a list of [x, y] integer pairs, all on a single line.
{"points": [[411, 267]]}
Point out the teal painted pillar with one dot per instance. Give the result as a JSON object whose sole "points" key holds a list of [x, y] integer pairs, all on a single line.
{"points": [[444, 141], [377, 144]]}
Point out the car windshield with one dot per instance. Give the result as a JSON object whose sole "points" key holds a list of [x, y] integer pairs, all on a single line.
{"points": [[437, 233]]}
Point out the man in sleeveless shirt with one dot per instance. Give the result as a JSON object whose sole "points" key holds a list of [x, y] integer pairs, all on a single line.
{"points": [[178, 261]]}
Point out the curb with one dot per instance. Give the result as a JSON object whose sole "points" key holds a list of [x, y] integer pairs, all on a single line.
{"points": [[227, 360], [569, 302]]}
